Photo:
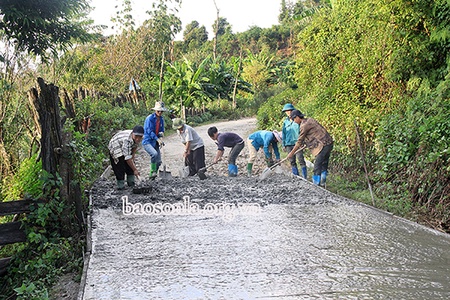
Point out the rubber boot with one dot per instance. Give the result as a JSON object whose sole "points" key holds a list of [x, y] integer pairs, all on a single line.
{"points": [[120, 184], [153, 169], [316, 179], [249, 169], [305, 172], [235, 169], [131, 180], [231, 171], [295, 171], [323, 178]]}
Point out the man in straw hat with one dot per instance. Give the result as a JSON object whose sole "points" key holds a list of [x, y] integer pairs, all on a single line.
{"points": [[122, 148], [194, 148], [154, 131], [268, 140], [318, 140]]}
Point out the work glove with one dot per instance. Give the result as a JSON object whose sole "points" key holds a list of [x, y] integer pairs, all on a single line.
{"points": [[160, 143], [161, 134]]}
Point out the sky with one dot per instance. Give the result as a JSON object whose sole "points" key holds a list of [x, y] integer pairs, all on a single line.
{"points": [[241, 14]]}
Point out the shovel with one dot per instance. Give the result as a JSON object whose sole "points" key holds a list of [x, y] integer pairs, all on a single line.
{"points": [[268, 171], [201, 171], [139, 189], [164, 174]]}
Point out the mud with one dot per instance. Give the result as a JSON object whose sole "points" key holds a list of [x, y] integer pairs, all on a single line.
{"points": [[297, 240]]}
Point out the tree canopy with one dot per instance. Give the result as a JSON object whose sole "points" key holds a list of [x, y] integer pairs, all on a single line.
{"points": [[38, 26]]}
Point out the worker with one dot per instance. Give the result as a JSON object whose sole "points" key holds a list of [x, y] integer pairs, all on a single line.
{"points": [[318, 140], [152, 142], [268, 140], [122, 147], [194, 151], [290, 131], [230, 140]]}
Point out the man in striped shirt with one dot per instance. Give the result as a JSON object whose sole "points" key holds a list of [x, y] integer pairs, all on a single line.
{"points": [[122, 148]]}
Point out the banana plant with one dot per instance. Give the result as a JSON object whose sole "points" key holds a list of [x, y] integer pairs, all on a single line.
{"points": [[183, 84]]}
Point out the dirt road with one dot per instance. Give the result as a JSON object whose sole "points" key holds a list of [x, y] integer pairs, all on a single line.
{"points": [[174, 149]]}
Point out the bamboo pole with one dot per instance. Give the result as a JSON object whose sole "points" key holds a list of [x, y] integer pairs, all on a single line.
{"points": [[364, 163]]}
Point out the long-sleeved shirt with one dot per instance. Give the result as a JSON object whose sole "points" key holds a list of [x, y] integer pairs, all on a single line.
{"points": [[150, 127], [264, 138], [314, 136], [122, 144], [290, 131]]}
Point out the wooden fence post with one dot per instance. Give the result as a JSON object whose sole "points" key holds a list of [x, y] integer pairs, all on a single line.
{"points": [[55, 152]]}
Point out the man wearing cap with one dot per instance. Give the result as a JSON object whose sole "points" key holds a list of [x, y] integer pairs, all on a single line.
{"points": [[268, 140], [230, 140], [194, 149], [154, 131], [122, 148], [318, 140], [290, 132]]}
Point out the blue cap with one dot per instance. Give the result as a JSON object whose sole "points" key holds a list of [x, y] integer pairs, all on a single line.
{"points": [[288, 106]]}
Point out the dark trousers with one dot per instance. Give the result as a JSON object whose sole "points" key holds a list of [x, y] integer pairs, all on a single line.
{"points": [[297, 157], [195, 160], [321, 161], [235, 152], [121, 168]]}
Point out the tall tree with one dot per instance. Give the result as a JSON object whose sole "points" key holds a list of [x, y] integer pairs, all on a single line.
{"points": [[194, 36], [38, 26]]}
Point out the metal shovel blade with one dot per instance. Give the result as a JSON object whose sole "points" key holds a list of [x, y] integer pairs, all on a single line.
{"points": [[201, 174], [201, 171], [183, 172], [164, 174], [265, 174], [142, 189]]}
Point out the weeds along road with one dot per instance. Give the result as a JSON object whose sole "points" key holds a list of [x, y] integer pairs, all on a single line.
{"points": [[242, 238]]}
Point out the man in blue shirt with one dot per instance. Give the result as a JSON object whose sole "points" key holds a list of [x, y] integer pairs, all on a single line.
{"points": [[290, 131], [268, 140], [153, 132], [230, 140]]}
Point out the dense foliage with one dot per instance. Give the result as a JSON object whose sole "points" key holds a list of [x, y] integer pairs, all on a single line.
{"points": [[379, 68]]}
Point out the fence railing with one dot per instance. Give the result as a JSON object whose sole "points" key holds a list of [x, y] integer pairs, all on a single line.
{"points": [[11, 232]]}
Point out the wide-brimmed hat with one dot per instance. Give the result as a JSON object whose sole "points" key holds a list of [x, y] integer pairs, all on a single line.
{"points": [[177, 123], [159, 106], [277, 136], [288, 106]]}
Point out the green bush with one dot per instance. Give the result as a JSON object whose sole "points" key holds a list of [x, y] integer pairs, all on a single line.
{"points": [[26, 183]]}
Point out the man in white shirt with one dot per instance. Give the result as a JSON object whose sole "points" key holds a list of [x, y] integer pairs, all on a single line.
{"points": [[194, 151]]}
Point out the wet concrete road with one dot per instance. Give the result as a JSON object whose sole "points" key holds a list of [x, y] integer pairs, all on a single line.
{"points": [[302, 243]]}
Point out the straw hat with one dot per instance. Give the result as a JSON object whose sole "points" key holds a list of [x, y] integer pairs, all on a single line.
{"points": [[159, 106]]}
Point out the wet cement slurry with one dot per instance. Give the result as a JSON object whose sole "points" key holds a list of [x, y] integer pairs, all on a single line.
{"points": [[242, 238]]}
